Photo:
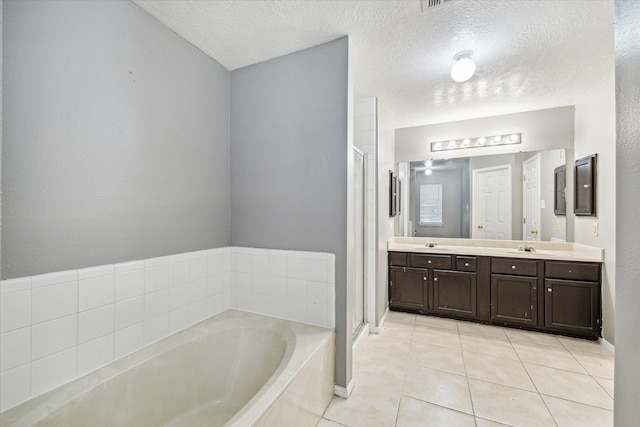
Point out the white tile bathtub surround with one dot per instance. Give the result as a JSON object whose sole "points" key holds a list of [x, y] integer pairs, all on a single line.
{"points": [[73, 322], [97, 291], [15, 348], [292, 285], [53, 336], [15, 386], [51, 371], [15, 311], [130, 282], [95, 323], [54, 301], [95, 354]]}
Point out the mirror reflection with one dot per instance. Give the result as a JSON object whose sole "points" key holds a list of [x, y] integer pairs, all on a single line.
{"points": [[506, 196]]}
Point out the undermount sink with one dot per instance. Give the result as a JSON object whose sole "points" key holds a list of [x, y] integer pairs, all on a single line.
{"points": [[539, 252], [437, 248]]}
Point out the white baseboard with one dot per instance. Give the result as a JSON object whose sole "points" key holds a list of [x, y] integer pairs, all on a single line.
{"points": [[344, 392], [608, 345], [377, 329]]}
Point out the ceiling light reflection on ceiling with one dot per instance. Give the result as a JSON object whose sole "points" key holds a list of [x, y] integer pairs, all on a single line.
{"points": [[464, 67], [428, 172], [456, 144]]}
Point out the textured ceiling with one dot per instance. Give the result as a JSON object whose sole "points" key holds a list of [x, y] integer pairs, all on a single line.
{"points": [[530, 54]]}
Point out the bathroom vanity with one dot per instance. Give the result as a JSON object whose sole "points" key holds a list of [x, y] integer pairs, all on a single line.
{"points": [[555, 288]]}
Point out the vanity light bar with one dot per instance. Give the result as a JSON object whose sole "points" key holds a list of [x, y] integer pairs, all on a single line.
{"points": [[483, 141]]}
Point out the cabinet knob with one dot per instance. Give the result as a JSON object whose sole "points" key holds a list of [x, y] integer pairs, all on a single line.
{"points": [[513, 267], [466, 264], [429, 262], [549, 290], [435, 279], [424, 278]]}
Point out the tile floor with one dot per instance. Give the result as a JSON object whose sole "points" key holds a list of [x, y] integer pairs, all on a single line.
{"points": [[428, 371]]}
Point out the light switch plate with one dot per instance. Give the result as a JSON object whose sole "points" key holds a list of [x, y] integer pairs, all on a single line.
{"points": [[595, 229]]}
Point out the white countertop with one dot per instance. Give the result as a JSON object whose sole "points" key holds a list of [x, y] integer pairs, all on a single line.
{"points": [[558, 251]]}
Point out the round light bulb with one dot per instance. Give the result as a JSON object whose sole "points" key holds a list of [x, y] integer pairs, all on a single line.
{"points": [[497, 139], [466, 142], [482, 140], [438, 146], [513, 137], [428, 172], [452, 144], [464, 68]]}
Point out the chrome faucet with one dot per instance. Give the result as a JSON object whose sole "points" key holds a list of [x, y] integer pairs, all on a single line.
{"points": [[526, 248]]}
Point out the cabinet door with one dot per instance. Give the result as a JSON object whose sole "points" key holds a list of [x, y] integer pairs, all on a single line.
{"points": [[408, 288], [572, 306], [514, 299], [454, 293]]}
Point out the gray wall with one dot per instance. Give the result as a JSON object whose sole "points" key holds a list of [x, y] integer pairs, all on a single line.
{"points": [[116, 138], [627, 337], [289, 162]]}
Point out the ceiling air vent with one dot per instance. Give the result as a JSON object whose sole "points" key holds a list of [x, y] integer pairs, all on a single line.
{"points": [[432, 3]]}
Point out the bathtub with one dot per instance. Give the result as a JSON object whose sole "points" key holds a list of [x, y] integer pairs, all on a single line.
{"points": [[234, 369]]}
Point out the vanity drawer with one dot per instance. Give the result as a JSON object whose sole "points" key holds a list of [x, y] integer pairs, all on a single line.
{"points": [[431, 261], [515, 267], [465, 263], [398, 258], [572, 270]]}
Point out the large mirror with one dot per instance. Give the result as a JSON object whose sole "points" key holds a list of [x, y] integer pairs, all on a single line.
{"points": [[506, 196]]}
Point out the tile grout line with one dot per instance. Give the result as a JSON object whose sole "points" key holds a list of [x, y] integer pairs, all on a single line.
{"points": [[466, 374], [532, 382], [406, 371]]}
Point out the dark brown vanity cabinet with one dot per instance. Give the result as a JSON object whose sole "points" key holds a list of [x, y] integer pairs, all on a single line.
{"points": [[572, 298], [561, 297], [454, 293], [514, 291], [433, 283], [408, 288]]}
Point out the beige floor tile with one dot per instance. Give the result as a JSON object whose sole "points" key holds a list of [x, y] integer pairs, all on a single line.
{"points": [[437, 322], [416, 413], [481, 422], [473, 328], [554, 357], [569, 385], [497, 370], [436, 336], [328, 423], [572, 414], [530, 337], [606, 384], [598, 365], [366, 407], [586, 346], [397, 333], [438, 387], [491, 346], [437, 357], [509, 405], [400, 317]]}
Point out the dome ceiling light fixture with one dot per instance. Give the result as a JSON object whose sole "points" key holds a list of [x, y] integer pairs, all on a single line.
{"points": [[464, 68]]}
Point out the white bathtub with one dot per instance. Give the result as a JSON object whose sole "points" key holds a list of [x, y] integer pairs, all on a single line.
{"points": [[235, 369]]}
